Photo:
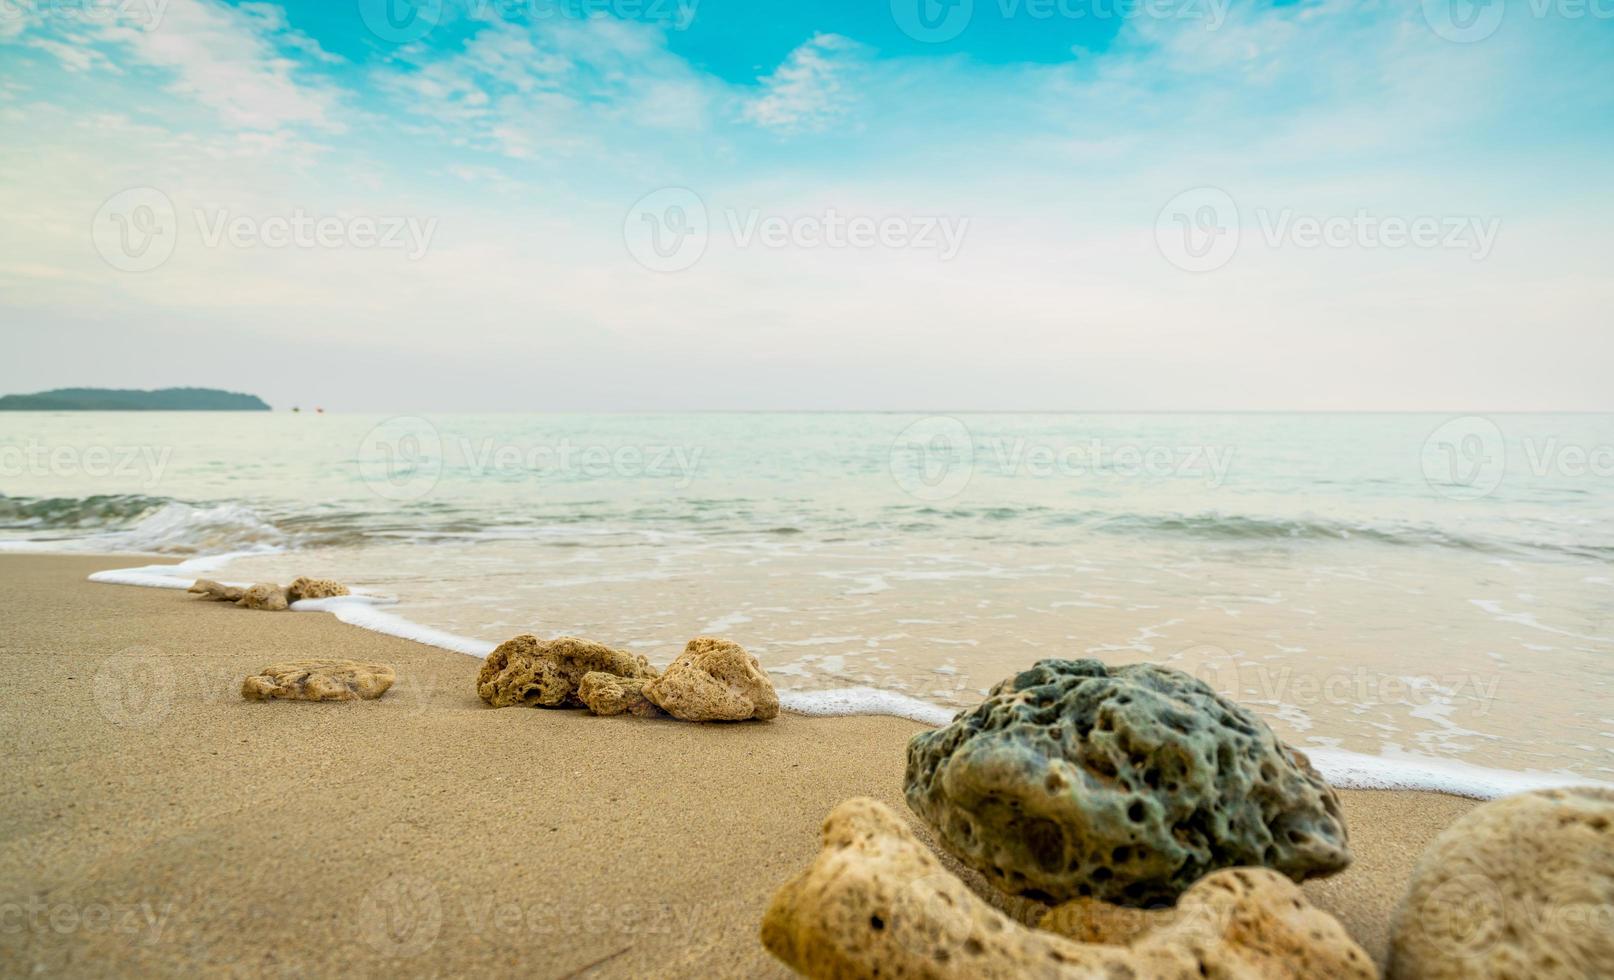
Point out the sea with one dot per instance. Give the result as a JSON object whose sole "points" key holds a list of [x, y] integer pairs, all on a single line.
{"points": [[1413, 599]]}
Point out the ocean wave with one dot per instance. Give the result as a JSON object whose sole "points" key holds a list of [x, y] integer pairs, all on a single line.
{"points": [[137, 524]]}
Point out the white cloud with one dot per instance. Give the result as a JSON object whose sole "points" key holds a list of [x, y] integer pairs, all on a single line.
{"points": [[811, 90]]}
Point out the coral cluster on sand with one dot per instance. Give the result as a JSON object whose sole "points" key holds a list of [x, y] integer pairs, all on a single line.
{"points": [[876, 902], [319, 680], [1074, 779], [712, 680], [268, 596]]}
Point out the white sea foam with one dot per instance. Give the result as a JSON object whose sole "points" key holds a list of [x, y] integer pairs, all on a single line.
{"points": [[171, 576], [362, 611], [1347, 770], [865, 701]]}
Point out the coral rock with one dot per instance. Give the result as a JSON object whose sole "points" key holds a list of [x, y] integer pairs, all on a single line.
{"points": [[319, 680], [1519, 887], [216, 591], [266, 596], [875, 902], [608, 694], [714, 680], [546, 673], [1238, 922], [314, 588], [1128, 784]]}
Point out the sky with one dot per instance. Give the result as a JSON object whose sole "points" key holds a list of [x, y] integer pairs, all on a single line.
{"points": [[646, 205]]}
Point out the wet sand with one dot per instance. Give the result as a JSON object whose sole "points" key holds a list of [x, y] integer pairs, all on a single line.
{"points": [[152, 822]]}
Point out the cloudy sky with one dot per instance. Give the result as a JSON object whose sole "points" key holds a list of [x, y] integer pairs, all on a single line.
{"points": [[746, 204]]}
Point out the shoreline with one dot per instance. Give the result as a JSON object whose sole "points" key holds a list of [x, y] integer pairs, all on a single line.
{"points": [[1343, 768], [288, 837]]}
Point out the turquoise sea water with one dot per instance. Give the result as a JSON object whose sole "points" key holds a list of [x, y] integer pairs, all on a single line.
{"points": [[1404, 586]]}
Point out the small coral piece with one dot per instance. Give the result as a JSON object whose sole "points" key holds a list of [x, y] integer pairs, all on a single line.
{"points": [[319, 680]]}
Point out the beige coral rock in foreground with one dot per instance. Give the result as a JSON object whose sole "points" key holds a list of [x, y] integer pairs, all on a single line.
{"points": [[608, 694], [876, 902], [714, 680], [304, 587], [1520, 887], [266, 596], [319, 680], [216, 591], [545, 673], [1238, 922]]}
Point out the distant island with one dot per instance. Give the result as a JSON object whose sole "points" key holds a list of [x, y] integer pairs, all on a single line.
{"points": [[129, 400]]}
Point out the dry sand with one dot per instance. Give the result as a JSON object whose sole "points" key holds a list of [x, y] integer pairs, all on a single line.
{"points": [[153, 822]]}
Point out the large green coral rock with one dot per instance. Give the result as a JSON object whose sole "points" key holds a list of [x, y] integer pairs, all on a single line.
{"points": [[1128, 784]]}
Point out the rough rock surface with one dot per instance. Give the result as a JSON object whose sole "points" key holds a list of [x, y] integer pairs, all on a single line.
{"points": [[714, 680], [546, 673], [216, 591], [319, 680], [314, 588], [1237, 922], [608, 694], [266, 596], [1126, 784], [876, 902], [1520, 887]]}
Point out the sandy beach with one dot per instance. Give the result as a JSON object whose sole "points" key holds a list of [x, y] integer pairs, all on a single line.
{"points": [[155, 823]]}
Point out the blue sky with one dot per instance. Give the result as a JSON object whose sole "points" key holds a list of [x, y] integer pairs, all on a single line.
{"points": [[1085, 204]]}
